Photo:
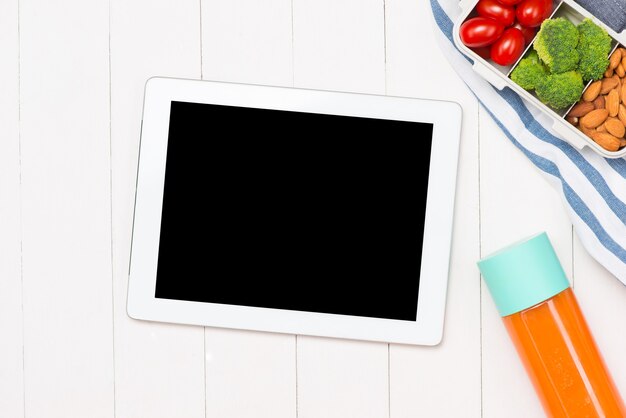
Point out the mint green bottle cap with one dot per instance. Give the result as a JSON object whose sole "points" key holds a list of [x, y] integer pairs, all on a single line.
{"points": [[523, 274]]}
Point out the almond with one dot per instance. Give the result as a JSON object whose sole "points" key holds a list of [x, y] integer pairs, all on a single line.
{"points": [[606, 141], [592, 91], [615, 59], [618, 80], [619, 70], [601, 128], [608, 73], [581, 109], [594, 118], [621, 114], [608, 84], [615, 127], [622, 143], [587, 131], [599, 102], [623, 57], [612, 102], [573, 120], [622, 93]]}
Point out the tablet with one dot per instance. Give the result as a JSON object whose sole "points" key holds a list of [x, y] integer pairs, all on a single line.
{"points": [[294, 211]]}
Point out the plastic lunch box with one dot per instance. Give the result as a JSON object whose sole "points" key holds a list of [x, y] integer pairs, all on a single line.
{"points": [[498, 75]]}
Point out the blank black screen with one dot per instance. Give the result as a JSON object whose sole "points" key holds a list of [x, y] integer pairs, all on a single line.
{"points": [[293, 210]]}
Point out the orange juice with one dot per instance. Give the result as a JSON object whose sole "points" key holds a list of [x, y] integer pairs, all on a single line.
{"points": [[545, 322]]}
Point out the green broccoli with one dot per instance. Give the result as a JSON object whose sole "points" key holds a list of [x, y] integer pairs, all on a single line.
{"points": [[556, 45], [560, 90], [529, 72], [594, 46]]}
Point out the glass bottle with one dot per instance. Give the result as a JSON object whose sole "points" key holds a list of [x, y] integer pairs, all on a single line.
{"points": [[547, 327]]}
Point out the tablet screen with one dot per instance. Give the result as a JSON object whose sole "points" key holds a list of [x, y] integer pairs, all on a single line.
{"points": [[291, 210]]}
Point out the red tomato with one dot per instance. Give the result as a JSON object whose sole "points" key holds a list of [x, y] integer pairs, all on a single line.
{"points": [[480, 31], [497, 11], [507, 49], [531, 13], [483, 52], [529, 33], [509, 2]]}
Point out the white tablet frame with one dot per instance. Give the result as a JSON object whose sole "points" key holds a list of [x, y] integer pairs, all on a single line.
{"points": [[446, 118]]}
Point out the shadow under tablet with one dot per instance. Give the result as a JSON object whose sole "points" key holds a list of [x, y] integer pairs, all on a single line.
{"points": [[293, 210]]}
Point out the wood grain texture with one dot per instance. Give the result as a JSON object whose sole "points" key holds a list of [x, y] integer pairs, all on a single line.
{"points": [[159, 368], [342, 378], [423, 378], [11, 345], [247, 41], [339, 45], [260, 368], [66, 204], [516, 202]]}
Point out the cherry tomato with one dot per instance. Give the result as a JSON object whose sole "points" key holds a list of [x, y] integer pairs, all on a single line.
{"points": [[509, 2], [497, 11], [507, 49], [483, 52], [529, 33], [531, 13], [480, 31]]}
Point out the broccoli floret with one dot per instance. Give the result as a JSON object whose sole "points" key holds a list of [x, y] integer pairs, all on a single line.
{"points": [[529, 72], [594, 46], [556, 45], [560, 90]]}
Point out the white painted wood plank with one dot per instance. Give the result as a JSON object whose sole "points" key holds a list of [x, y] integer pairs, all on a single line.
{"points": [[516, 202], [603, 301], [339, 45], [442, 381], [249, 374], [342, 378], [11, 370], [247, 41], [66, 209], [159, 368]]}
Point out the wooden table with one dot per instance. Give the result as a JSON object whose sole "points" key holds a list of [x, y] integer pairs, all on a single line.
{"points": [[71, 83]]}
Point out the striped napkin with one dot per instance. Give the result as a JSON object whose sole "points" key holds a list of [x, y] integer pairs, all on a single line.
{"points": [[593, 187]]}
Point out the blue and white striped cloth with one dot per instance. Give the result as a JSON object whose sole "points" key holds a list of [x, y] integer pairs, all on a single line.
{"points": [[593, 188]]}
